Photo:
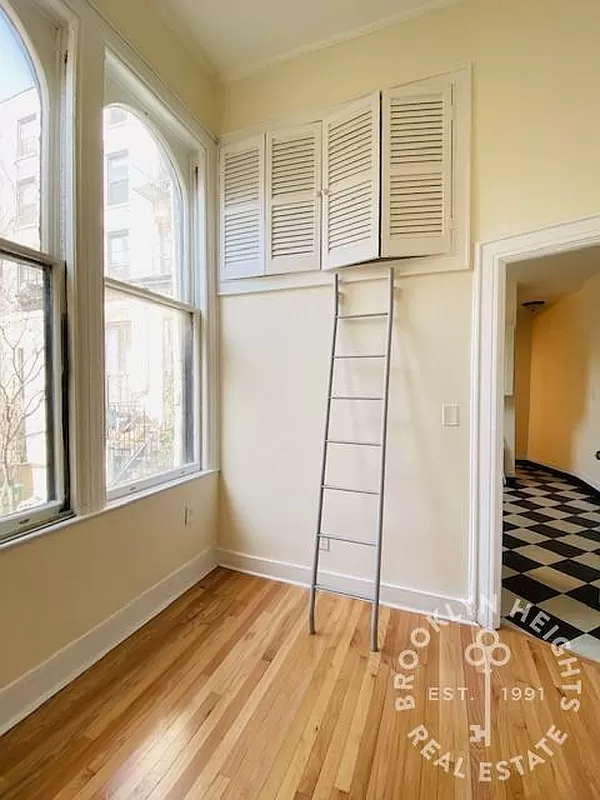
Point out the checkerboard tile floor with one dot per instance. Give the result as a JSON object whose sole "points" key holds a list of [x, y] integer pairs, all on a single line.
{"points": [[551, 558]]}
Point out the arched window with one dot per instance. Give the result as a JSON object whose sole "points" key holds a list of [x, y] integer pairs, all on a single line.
{"points": [[148, 322], [32, 403], [142, 217], [20, 134]]}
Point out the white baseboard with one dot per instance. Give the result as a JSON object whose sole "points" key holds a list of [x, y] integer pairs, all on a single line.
{"points": [[23, 696], [392, 595]]}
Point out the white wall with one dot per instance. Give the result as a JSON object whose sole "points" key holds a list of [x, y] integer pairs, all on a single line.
{"points": [[275, 357], [534, 68]]}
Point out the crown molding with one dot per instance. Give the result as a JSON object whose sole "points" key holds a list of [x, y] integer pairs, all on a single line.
{"points": [[229, 76]]}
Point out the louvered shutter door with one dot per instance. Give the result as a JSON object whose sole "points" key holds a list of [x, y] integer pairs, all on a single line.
{"points": [[241, 167], [417, 169], [293, 199], [351, 170]]}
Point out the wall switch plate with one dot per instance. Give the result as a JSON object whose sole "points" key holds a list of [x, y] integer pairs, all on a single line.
{"points": [[451, 415]]}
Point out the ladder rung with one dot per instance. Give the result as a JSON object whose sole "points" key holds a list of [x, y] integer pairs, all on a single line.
{"points": [[354, 397], [320, 588], [350, 491], [346, 540], [370, 355], [364, 316], [353, 444]]}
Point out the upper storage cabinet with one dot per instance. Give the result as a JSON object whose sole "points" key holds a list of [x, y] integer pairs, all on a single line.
{"points": [[383, 177], [242, 191], [293, 198], [351, 169], [416, 215]]}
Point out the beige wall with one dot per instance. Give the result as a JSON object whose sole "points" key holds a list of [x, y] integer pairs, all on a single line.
{"points": [[181, 70], [535, 162], [564, 421], [522, 382], [57, 587]]}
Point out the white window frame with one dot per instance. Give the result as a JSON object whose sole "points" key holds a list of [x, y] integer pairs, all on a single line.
{"points": [[189, 233], [43, 55], [78, 239]]}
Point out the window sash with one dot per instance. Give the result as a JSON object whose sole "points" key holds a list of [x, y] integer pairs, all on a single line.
{"points": [[56, 396], [191, 392]]}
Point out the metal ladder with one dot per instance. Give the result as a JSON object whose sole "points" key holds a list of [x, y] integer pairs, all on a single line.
{"points": [[381, 445]]}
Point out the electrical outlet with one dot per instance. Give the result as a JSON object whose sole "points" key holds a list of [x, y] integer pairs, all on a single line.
{"points": [[325, 545]]}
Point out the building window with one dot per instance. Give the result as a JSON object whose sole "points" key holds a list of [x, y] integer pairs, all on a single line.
{"points": [[116, 116], [117, 252], [32, 402], [28, 136], [27, 202], [150, 419], [117, 178]]}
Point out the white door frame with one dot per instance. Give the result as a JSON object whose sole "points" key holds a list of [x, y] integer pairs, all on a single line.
{"points": [[487, 418]]}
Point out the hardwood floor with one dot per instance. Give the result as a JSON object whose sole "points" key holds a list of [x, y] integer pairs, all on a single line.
{"points": [[224, 695]]}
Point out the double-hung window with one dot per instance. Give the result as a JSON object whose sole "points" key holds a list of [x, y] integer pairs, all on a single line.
{"points": [[151, 322], [32, 306]]}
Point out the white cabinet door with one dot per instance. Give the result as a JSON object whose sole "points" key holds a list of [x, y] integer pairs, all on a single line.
{"points": [[293, 222], [242, 193], [351, 170], [416, 214]]}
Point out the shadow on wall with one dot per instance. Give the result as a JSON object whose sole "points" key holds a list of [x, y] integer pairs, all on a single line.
{"points": [[564, 394]]}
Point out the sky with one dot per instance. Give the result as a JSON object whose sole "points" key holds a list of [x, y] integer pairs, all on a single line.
{"points": [[15, 70]]}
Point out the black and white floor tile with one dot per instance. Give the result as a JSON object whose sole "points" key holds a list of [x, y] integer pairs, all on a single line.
{"points": [[551, 558]]}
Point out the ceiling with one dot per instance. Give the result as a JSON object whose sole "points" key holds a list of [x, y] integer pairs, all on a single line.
{"points": [[552, 277], [240, 36]]}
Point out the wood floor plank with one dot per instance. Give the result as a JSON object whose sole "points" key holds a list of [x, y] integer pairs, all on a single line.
{"points": [[225, 696]]}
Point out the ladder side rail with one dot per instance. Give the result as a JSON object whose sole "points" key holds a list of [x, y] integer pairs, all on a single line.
{"points": [[383, 454], [315, 565]]}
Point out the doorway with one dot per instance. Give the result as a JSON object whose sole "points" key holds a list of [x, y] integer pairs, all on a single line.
{"points": [[530, 486]]}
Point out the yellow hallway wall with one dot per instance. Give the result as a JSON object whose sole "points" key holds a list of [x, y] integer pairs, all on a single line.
{"points": [[564, 418], [535, 161]]}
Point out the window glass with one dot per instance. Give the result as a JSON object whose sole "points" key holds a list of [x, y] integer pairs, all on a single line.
{"points": [[147, 372], [20, 112], [25, 396], [143, 198]]}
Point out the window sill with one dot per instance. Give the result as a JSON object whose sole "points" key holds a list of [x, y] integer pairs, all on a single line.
{"points": [[73, 519]]}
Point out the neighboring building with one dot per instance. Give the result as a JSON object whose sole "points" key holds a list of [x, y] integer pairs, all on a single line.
{"points": [[143, 384], [23, 450]]}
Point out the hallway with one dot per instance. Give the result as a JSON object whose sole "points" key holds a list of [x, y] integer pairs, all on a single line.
{"points": [[551, 557]]}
